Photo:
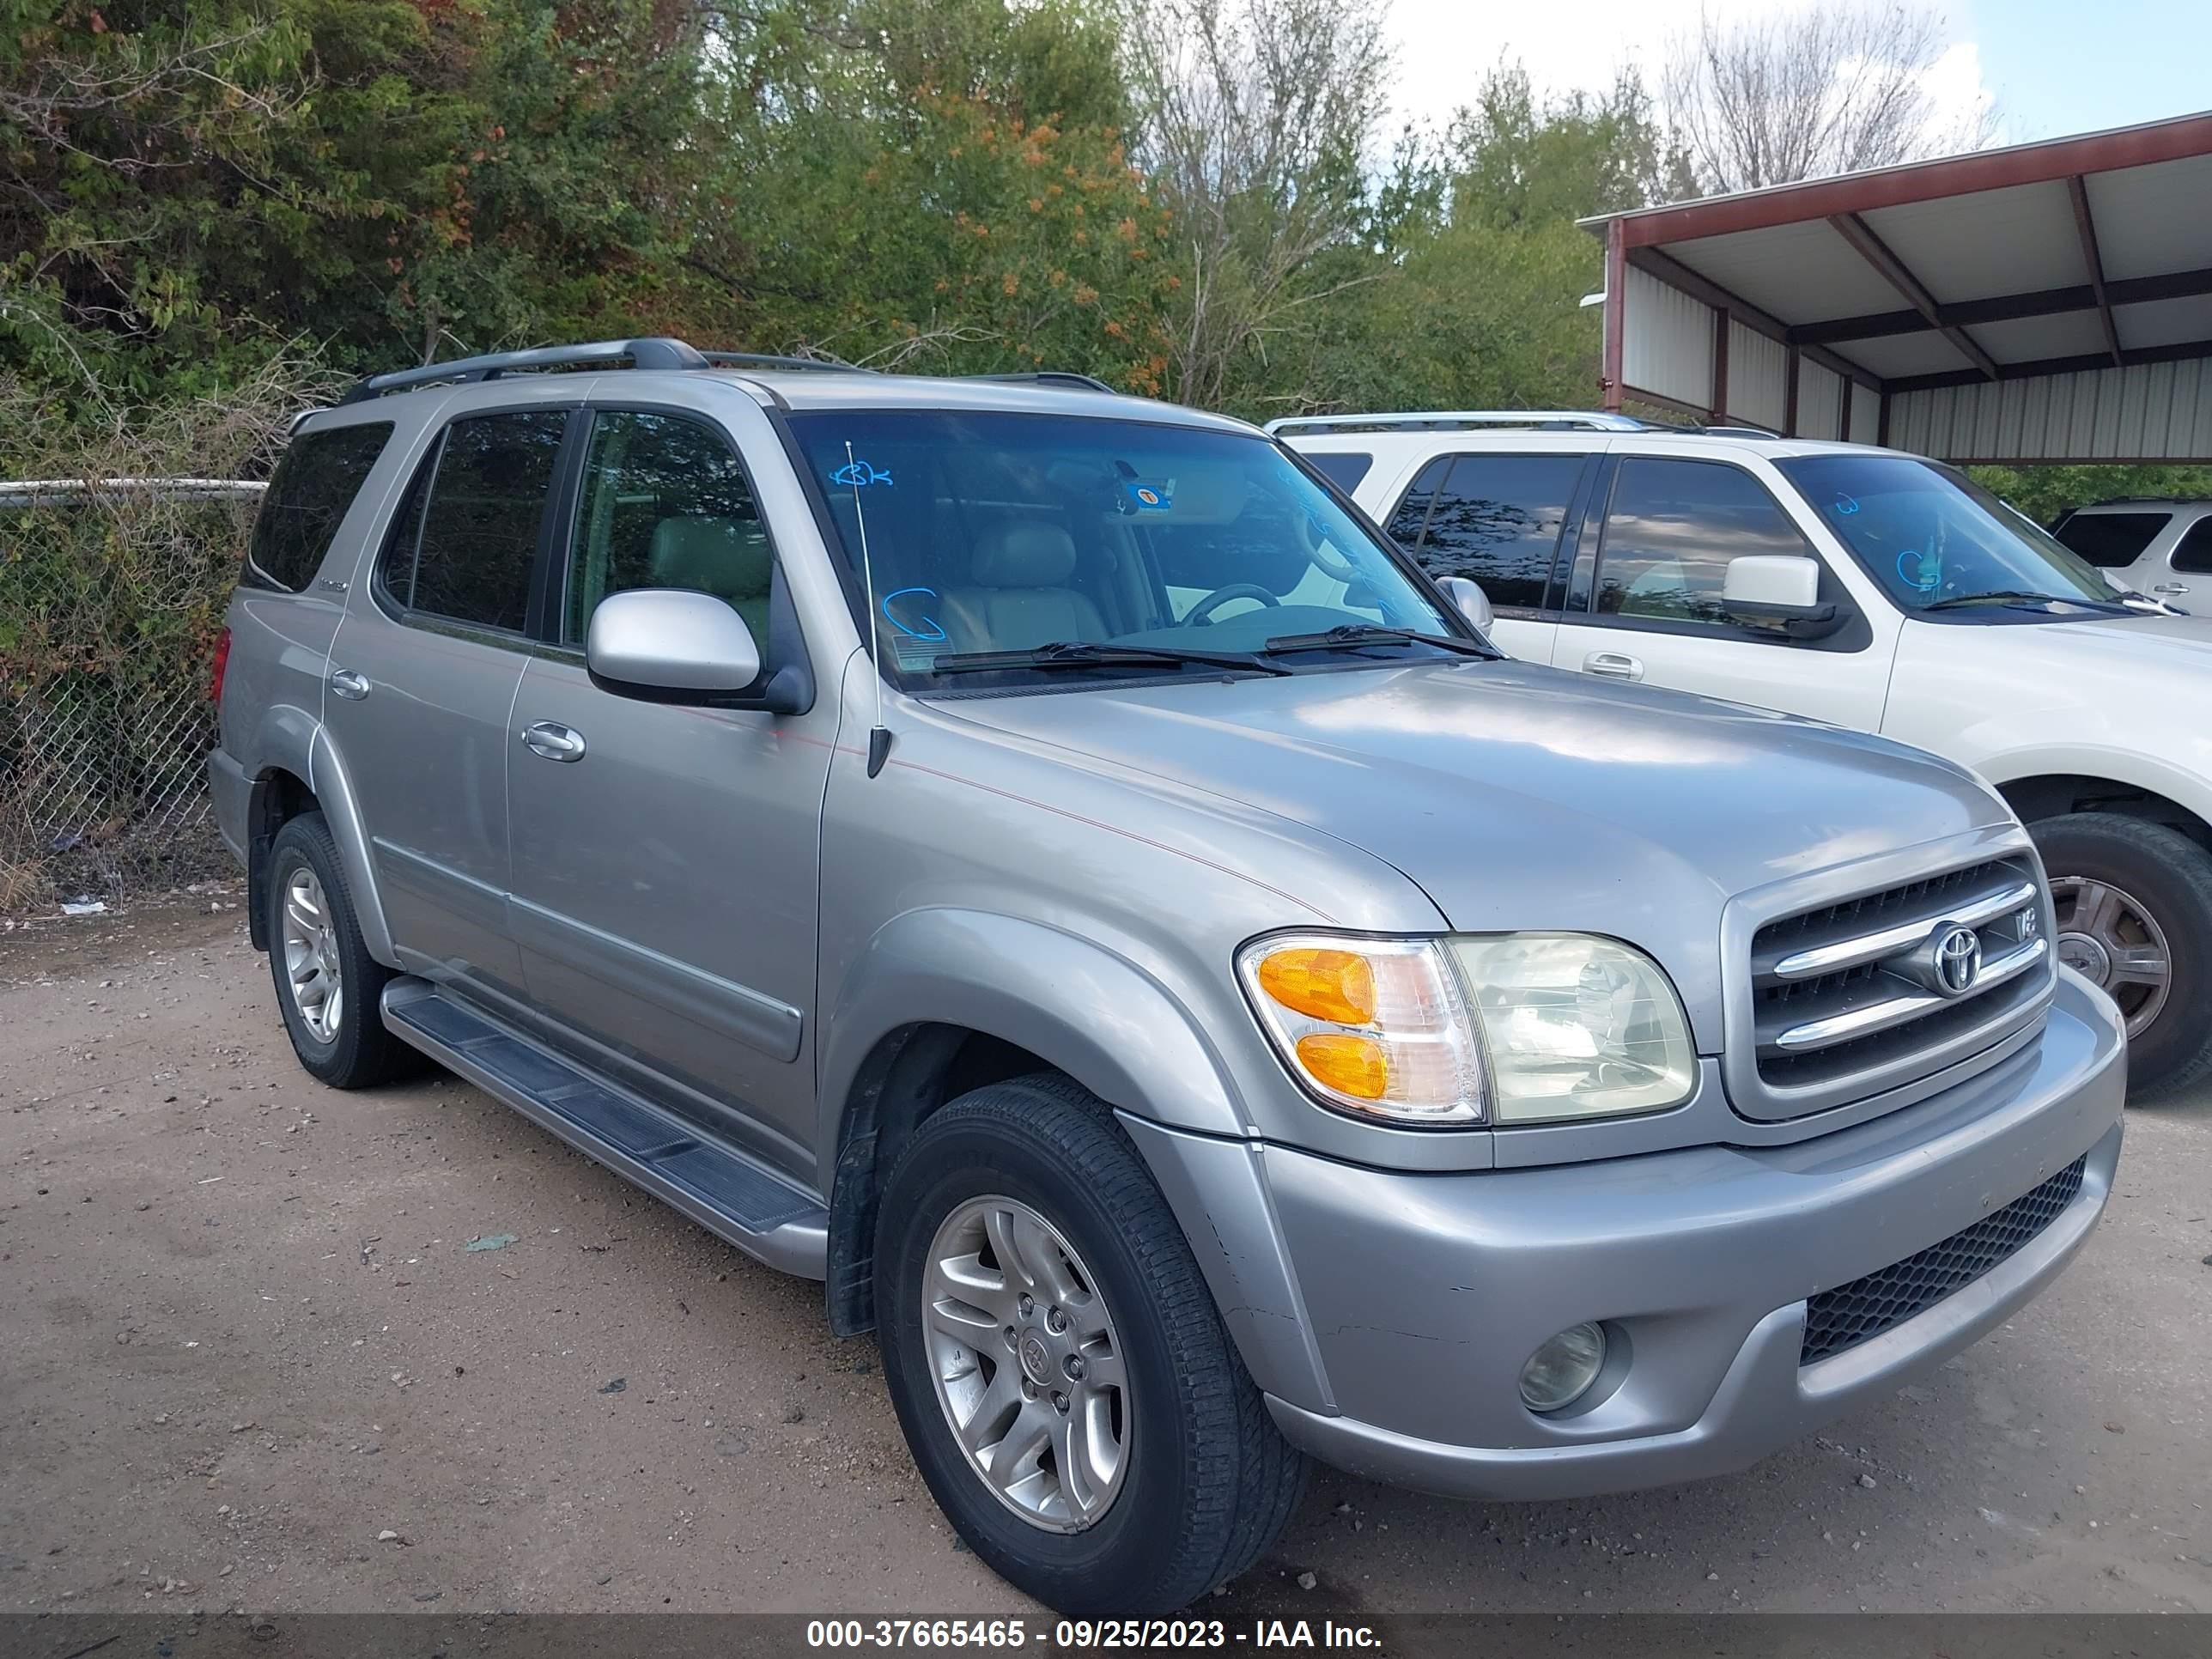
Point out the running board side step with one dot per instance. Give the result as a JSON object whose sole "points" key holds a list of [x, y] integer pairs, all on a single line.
{"points": [[728, 1194]]}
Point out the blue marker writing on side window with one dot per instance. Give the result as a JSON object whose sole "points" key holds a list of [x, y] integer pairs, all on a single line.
{"points": [[922, 628], [859, 474]]}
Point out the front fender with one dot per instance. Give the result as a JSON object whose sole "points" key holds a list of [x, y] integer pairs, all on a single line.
{"points": [[1097, 1016], [2183, 777]]}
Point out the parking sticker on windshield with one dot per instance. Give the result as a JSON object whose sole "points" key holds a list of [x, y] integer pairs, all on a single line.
{"points": [[859, 474], [1151, 497]]}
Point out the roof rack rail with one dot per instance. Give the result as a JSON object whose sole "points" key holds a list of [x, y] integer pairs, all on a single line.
{"points": [[1050, 377], [640, 354], [1731, 429], [1540, 420], [771, 360], [2149, 500]]}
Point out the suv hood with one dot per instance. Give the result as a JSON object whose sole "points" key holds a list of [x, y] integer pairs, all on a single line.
{"points": [[1525, 798]]}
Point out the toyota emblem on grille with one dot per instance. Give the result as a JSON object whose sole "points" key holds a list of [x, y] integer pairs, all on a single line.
{"points": [[1956, 957]]}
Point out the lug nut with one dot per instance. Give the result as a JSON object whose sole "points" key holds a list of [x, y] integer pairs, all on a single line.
{"points": [[1059, 1404], [1074, 1367], [1055, 1321], [1028, 1389], [1007, 1336], [1025, 1305]]}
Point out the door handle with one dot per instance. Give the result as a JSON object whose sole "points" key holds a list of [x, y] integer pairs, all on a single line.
{"points": [[347, 684], [554, 740], [2171, 587], [1613, 665]]}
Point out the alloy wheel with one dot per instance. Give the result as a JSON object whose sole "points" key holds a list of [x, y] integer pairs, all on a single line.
{"points": [[2110, 937], [1027, 1366], [311, 956]]}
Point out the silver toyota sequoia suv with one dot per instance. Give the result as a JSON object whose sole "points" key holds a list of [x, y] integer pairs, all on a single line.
{"points": [[1043, 864]]}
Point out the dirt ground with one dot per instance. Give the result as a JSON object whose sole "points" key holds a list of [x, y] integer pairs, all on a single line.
{"points": [[267, 1346]]}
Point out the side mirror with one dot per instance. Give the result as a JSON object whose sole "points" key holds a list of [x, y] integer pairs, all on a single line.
{"points": [[1473, 603], [669, 645], [1767, 589]]}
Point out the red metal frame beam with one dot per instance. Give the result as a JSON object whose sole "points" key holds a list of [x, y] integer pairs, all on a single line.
{"points": [[2184, 351], [2078, 193], [1923, 181], [2006, 307], [1616, 315], [1891, 269], [1672, 272]]}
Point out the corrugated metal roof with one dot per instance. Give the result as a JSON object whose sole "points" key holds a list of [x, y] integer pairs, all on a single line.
{"points": [[2050, 301]]}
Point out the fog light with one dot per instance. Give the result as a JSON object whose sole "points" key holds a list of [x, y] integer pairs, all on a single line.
{"points": [[1561, 1371]]}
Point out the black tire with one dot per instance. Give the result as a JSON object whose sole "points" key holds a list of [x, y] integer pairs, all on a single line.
{"points": [[2170, 876], [361, 1051], [1209, 1482]]}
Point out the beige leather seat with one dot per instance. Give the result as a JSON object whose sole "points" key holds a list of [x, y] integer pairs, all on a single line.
{"points": [[1017, 595], [726, 558]]}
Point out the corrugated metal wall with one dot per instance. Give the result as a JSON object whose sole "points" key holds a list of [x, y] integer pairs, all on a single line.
{"points": [[1667, 341], [1866, 416], [2146, 411], [1819, 401], [1758, 378]]}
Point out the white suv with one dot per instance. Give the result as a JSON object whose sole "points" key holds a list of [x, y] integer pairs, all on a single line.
{"points": [[2162, 548], [1861, 586]]}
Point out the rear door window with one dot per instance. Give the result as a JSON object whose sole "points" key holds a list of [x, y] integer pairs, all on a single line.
{"points": [[1496, 521], [2111, 540], [315, 483], [464, 549], [1344, 468]]}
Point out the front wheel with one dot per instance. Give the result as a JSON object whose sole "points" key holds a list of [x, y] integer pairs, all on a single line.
{"points": [[1057, 1364], [2134, 903]]}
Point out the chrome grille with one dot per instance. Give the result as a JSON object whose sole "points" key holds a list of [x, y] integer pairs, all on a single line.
{"points": [[1847, 998]]}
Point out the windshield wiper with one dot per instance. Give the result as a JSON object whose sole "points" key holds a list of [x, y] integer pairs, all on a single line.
{"points": [[1357, 633], [1082, 653], [2017, 598]]}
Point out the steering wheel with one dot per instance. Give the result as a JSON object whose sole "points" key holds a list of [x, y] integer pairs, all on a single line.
{"points": [[1316, 543], [1201, 614]]}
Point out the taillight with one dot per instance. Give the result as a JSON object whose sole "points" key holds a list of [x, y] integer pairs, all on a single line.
{"points": [[222, 662]]}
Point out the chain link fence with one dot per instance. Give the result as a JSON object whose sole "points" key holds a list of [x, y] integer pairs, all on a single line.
{"points": [[112, 593]]}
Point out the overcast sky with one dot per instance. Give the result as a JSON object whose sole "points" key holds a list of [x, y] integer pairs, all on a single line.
{"points": [[2054, 67]]}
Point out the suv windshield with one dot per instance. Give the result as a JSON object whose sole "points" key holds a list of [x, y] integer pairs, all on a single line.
{"points": [[1938, 541], [1159, 550]]}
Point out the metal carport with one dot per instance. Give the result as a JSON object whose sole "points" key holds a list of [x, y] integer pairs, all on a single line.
{"points": [[2049, 301]]}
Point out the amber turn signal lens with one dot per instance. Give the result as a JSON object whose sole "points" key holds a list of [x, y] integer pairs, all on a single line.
{"points": [[1320, 984], [1352, 1065]]}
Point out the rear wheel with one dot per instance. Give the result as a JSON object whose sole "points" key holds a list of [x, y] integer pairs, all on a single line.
{"points": [[1057, 1364], [328, 986], [2134, 903]]}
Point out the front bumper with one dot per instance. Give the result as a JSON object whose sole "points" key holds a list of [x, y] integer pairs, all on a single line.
{"points": [[1424, 1295]]}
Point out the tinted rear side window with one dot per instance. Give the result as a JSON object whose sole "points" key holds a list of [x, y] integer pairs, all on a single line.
{"points": [[2111, 539], [1497, 522], [315, 483], [479, 530], [1344, 468], [1412, 517], [2194, 550]]}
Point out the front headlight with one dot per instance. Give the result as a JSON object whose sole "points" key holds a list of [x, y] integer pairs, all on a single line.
{"points": [[1513, 1028], [1576, 1026]]}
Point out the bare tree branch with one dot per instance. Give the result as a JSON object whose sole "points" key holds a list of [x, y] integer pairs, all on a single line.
{"points": [[1837, 87]]}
